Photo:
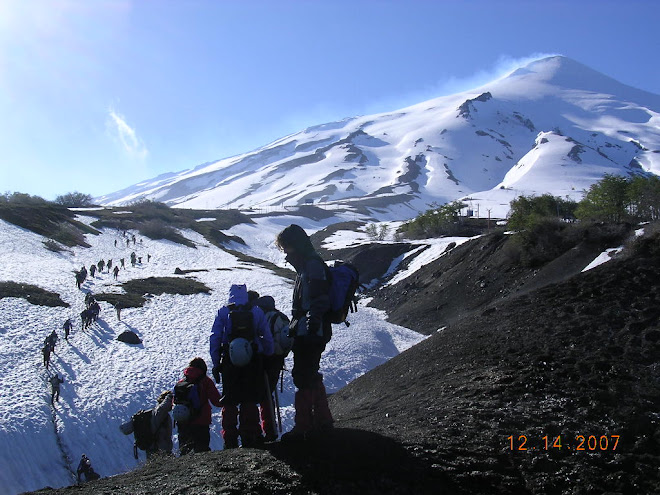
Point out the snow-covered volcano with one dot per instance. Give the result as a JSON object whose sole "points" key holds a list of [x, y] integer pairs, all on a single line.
{"points": [[553, 126]]}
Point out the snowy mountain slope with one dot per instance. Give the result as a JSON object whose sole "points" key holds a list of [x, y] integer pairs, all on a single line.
{"points": [[106, 380], [472, 144]]}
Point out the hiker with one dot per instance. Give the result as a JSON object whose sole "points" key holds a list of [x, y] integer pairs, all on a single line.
{"points": [[92, 270], [68, 326], [194, 431], [101, 264], [116, 272], [109, 265], [133, 258], [80, 279], [46, 353], [148, 258], [52, 340], [55, 382], [115, 242], [118, 310], [311, 331], [85, 467], [154, 435], [128, 242], [89, 299], [239, 339], [123, 266], [278, 325]]}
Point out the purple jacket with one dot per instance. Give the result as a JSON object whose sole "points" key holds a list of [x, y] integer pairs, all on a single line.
{"points": [[222, 326]]}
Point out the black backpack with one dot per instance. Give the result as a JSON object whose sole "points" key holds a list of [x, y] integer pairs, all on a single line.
{"points": [[144, 437], [187, 403], [242, 323]]}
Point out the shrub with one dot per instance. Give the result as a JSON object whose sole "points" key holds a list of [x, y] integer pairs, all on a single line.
{"points": [[74, 199], [438, 221], [606, 200]]}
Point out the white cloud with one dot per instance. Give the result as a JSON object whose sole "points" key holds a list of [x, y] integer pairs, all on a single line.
{"points": [[126, 136]]}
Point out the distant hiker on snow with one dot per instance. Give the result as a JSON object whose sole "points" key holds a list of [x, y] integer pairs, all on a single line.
{"points": [[133, 258], [55, 382], [311, 330], [101, 265], [92, 270], [278, 324], [122, 263], [85, 468], [152, 428], [239, 339], [51, 340], [68, 326], [109, 265], [115, 272], [118, 310], [192, 411], [46, 353]]}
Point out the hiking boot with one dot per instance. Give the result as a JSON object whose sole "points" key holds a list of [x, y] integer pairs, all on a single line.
{"points": [[231, 444], [270, 437], [252, 442], [296, 435]]}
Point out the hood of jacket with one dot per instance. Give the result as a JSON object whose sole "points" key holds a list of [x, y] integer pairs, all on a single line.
{"points": [[193, 373], [238, 294]]}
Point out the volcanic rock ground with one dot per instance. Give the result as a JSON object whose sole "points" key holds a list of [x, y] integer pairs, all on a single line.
{"points": [[522, 355]]}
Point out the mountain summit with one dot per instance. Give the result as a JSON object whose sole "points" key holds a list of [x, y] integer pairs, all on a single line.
{"points": [[553, 126]]}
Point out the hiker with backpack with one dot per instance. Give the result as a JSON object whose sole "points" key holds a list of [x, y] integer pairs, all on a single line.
{"points": [[311, 330], [278, 324], [192, 411], [152, 428], [239, 339], [45, 350]]}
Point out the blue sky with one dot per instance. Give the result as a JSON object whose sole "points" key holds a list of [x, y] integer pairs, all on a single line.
{"points": [[97, 95]]}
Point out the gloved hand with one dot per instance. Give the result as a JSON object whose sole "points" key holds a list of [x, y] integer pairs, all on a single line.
{"points": [[216, 372]]}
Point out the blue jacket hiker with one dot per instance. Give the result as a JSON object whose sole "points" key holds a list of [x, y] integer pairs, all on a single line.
{"points": [[239, 339]]}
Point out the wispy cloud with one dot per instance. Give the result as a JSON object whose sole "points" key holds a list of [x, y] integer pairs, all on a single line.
{"points": [[126, 135]]}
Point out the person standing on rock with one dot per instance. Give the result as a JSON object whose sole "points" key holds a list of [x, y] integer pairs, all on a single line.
{"points": [[194, 433], [239, 339], [311, 331]]}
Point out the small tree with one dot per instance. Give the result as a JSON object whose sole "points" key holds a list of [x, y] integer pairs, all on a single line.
{"points": [[644, 195], [372, 231], [383, 231], [528, 210], [74, 199], [606, 200]]}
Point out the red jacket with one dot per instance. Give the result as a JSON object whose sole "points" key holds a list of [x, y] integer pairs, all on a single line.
{"points": [[207, 393]]}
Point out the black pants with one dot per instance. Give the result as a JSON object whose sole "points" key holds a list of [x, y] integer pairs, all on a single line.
{"points": [[194, 438], [306, 362]]}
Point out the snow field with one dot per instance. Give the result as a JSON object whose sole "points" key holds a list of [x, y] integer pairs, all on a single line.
{"points": [[106, 381]]}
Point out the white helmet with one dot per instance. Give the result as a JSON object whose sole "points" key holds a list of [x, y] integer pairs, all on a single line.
{"points": [[180, 413], [240, 352], [281, 340]]}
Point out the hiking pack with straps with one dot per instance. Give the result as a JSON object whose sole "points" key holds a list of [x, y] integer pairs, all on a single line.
{"points": [[242, 323], [344, 281], [278, 323], [144, 437], [187, 404]]}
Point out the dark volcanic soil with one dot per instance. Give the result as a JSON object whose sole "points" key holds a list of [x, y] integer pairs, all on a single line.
{"points": [[574, 357]]}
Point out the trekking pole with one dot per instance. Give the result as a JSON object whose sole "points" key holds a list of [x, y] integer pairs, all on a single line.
{"points": [[277, 405], [270, 398]]}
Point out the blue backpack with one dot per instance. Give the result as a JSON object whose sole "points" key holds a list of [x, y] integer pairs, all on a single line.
{"points": [[187, 403], [344, 282]]}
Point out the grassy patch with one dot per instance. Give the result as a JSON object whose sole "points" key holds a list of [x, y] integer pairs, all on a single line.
{"points": [[32, 294], [52, 221], [157, 221], [136, 290]]}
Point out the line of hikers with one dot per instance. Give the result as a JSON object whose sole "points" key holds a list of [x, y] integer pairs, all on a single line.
{"points": [[249, 341]]}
